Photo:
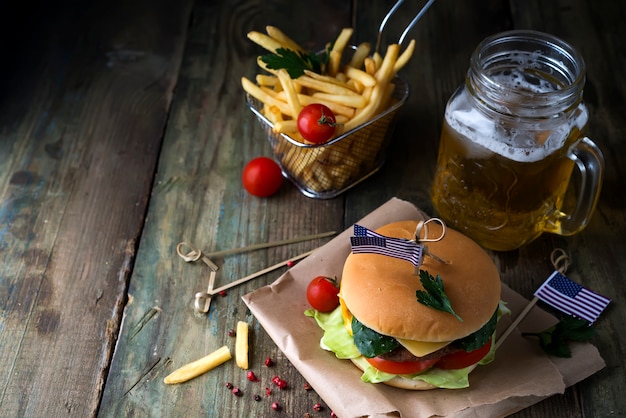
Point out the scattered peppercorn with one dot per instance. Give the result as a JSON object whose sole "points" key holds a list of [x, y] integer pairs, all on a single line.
{"points": [[229, 385], [222, 293], [290, 263], [268, 391], [318, 407], [332, 414], [306, 415], [279, 382], [237, 391], [251, 376], [307, 386], [232, 332], [269, 362], [276, 406], [257, 398]]}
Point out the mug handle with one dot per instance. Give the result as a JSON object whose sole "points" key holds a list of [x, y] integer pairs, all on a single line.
{"points": [[589, 161]]}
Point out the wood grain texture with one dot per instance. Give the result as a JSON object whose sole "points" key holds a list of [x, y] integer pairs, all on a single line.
{"points": [[74, 193], [123, 131], [198, 198]]}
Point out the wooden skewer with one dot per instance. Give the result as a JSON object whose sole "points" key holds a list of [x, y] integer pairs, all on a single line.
{"points": [[259, 273], [515, 323], [270, 244]]}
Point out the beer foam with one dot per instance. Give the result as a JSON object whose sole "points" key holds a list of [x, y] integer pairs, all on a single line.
{"points": [[518, 145]]}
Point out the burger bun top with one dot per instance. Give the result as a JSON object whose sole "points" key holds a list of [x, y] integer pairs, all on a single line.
{"points": [[380, 291]]}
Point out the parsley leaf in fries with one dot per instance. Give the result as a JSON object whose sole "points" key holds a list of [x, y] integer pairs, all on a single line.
{"points": [[294, 62]]}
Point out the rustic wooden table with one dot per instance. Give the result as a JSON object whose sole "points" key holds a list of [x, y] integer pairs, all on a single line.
{"points": [[123, 131]]}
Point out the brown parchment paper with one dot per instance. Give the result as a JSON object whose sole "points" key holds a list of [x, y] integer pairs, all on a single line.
{"points": [[520, 376]]}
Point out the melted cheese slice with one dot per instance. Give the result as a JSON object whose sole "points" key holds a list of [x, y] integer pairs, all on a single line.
{"points": [[421, 348]]}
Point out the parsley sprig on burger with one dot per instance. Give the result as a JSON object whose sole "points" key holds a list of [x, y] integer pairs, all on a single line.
{"points": [[393, 337]]}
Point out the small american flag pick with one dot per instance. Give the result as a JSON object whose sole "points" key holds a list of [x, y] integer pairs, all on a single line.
{"points": [[571, 298], [366, 241]]}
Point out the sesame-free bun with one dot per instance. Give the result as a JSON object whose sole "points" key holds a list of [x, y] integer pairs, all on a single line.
{"points": [[380, 291]]}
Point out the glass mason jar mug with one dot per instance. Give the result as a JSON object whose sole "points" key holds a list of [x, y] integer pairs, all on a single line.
{"points": [[511, 137]]}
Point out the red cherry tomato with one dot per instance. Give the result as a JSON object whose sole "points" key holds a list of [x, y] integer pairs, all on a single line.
{"points": [[262, 177], [316, 123], [322, 294], [462, 359], [401, 367]]}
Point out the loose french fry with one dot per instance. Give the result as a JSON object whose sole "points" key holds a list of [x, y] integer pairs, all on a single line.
{"points": [[198, 367], [283, 39], [241, 345]]}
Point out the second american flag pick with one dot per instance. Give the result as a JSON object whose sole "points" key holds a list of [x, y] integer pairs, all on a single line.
{"points": [[571, 298]]}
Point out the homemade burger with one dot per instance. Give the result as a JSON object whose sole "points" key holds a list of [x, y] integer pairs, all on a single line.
{"points": [[417, 331]]}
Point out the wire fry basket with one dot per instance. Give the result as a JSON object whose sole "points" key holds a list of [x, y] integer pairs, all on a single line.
{"points": [[324, 171]]}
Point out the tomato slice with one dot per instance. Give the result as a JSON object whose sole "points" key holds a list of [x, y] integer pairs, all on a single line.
{"points": [[462, 359], [401, 367]]}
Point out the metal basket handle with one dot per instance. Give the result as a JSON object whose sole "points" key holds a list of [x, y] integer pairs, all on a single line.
{"points": [[395, 7]]}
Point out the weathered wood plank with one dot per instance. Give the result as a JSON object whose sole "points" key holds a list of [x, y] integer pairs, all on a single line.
{"points": [[198, 197], [79, 147], [596, 30]]}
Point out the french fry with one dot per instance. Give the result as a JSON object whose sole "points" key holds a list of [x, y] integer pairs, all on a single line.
{"points": [[198, 367], [360, 53], [290, 92], [283, 39], [370, 65], [241, 345], [285, 126], [273, 113], [404, 58], [337, 108], [343, 99], [359, 75], [323, 86], [327, 79], [266, 80], [342, 40], [334, 58], [264, 41], [385, 73], [264, 97]]}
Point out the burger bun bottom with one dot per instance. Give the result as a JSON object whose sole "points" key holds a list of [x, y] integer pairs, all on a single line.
{"points": [[409, 384]]}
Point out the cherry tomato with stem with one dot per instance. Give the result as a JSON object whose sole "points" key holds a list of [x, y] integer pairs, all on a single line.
{"points": [[262, 177], [323, 294], [316, 123]]}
